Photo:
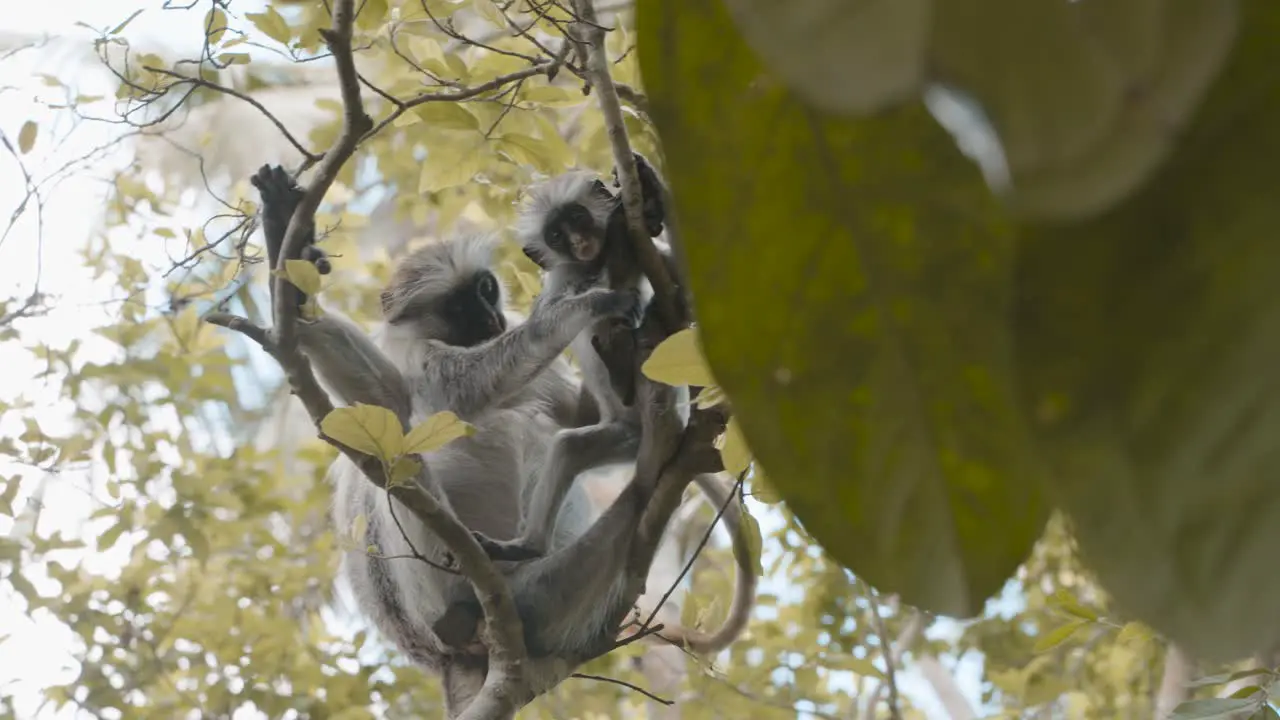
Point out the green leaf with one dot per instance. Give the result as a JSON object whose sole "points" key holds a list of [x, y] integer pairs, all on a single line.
{"points": [[446, 116], [8, 493], [1057, 636], [111, 536], [853, 56], [873, 378], [1247, 691], [1134, 632], [27, 136], [404, 470], [752, 539], [304, 275], [215, 25], [272, 24], [1214, 708], [1067, 603], [1075, 139], [734, 453], [761, 490], [435, 432], [678, 361], [370, 429], [1147, 352]]}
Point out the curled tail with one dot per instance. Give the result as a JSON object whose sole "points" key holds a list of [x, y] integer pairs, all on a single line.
{"points": [[744, 593]]}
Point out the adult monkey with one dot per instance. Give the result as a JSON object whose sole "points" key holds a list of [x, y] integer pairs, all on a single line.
{"points": [[504, 378]]}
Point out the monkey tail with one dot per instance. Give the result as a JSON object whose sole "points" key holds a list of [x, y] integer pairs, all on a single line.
{"points": [[744, 595]]}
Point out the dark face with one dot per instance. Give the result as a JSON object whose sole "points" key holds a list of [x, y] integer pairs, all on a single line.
{"points": [[473, 311], [571, 232]]}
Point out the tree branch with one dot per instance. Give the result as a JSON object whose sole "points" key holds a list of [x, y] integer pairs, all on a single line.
{"points": [[505, 689], [597, 71]]}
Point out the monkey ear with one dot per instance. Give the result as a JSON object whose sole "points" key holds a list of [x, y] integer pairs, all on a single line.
{"points": [[535, 255]]}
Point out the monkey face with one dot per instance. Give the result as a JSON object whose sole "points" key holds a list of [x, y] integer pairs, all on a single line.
{"points": [[572, 234], [473, 311]]}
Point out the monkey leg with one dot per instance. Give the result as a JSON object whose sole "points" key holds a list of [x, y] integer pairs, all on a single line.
{"points": [[572, 452], [568, 600]]}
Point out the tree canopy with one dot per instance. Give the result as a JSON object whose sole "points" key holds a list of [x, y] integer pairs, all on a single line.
{"points": [[1004, 416]]}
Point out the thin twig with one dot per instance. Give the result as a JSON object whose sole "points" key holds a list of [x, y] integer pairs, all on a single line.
{"points": [[625, 684]]}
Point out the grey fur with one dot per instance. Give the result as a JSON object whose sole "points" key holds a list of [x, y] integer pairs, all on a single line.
{"points": [[563, 276], [513, 389]]}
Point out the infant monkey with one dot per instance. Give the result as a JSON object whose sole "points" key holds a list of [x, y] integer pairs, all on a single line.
{"points": [[575, 229]]}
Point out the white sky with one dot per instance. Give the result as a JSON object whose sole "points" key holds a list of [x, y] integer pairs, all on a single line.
{"points": [[34, 654]]}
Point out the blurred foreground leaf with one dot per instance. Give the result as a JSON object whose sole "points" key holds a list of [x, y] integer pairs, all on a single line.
{"points": [[852, 281]]}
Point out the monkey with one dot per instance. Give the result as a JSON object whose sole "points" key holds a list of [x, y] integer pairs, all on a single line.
{"points": [[574, 228], [447, 343]]}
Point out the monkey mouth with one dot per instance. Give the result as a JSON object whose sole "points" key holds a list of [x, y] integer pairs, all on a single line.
{"points": [[584, 247]]}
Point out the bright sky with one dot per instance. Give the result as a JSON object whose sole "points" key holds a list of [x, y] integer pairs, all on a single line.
{"points": [[35, 652]]}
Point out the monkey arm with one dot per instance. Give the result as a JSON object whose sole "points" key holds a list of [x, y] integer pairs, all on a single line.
{"points": [[468, 380], [352, 366]]}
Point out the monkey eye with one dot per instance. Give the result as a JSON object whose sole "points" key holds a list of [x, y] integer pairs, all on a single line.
{"points": [[488, 288]]}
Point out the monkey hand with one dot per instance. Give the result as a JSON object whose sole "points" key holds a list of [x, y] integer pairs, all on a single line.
{"points": [[604, 303], [651, 194], [280, 197], [510, 550]]}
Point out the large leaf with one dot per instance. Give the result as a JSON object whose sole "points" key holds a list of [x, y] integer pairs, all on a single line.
{"points": [[852, 283], [1149, 347]]}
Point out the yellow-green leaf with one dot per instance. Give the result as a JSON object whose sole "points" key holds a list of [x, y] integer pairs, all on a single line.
{"points": [[761, 490], [853, 285], [271, 23], [435, 432], [852, 56], [304, 275], [752, 539], [678, 361], [1067, 603], [1074, 137], [1055, 637], [446, 116], [1212, 709], [1159, 422], [734, 452], [370, 429], [404, 470], [1133, 632], [215, 25], [27, 136]]}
